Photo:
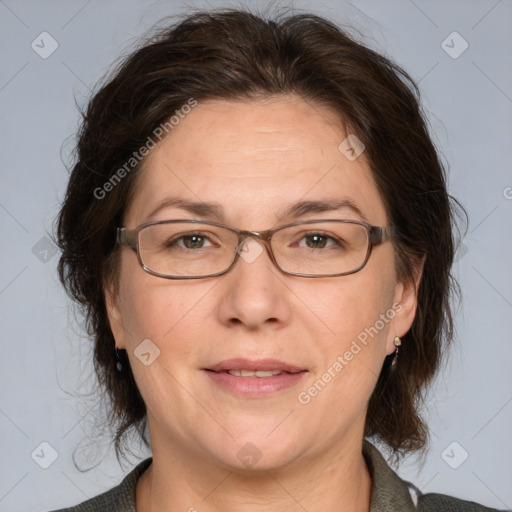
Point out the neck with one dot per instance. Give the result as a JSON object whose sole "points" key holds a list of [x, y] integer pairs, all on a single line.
{"points": [[176, 481]]}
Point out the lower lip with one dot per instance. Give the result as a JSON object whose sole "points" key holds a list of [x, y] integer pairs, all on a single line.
{"points": [[254, 387]]}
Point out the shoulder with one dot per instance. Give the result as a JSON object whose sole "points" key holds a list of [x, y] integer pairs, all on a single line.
{"points": [[391, 493], [118, 499], [435, 502]]}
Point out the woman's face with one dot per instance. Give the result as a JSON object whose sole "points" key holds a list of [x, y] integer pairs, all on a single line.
{"points": [[254, 161]]}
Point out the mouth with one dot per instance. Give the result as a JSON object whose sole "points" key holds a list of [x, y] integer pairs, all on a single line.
{"points": [[253, 379], [242, 367], [251, 373]]}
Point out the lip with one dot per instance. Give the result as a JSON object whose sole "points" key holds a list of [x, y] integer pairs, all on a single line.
{"points": [[240, 363], [254, 387]]}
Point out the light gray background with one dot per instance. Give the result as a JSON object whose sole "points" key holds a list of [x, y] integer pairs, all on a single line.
{"points": [[45, 365]]}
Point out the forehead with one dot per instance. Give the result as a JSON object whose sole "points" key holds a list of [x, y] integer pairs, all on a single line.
{"points": [[254, 158]]}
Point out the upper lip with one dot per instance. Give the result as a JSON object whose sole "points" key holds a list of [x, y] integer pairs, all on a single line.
{"points": [[254, 365]]}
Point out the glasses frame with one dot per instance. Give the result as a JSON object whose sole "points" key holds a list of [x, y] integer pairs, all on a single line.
{"points": [[376, 236]]}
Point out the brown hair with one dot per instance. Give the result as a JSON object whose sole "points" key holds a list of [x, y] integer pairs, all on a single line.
{"points": [[237, 55]]}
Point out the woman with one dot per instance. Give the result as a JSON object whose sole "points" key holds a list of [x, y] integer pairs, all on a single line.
{"points": [[259, 232]]}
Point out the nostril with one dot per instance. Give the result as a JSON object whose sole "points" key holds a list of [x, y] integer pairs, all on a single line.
{"points": [[237, 321]]}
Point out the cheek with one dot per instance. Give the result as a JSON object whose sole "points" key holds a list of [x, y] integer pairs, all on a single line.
{"points": [[358, 313], [353, 317], [352, 307], [166, 312]]}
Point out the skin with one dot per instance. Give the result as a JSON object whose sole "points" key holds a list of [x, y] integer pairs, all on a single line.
{"points": [[254, 159]]}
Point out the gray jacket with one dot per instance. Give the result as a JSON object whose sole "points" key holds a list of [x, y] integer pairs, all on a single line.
{"points": [[389, 492]]}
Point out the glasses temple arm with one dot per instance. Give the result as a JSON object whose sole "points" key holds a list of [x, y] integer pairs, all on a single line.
{"points": [[126, 237], [378, 235]]}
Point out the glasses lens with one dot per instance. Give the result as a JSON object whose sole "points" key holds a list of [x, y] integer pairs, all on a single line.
{"points": [[183, 249], [322, 248]]}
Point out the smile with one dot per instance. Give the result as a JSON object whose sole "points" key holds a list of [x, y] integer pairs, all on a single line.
{"points": [[254, 383]]}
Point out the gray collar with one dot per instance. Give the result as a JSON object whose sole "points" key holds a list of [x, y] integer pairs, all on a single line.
{"points": [[389, 492]]}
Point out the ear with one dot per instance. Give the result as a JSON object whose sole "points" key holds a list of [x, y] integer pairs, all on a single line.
{"points": [[114, 315], [406, 301]]}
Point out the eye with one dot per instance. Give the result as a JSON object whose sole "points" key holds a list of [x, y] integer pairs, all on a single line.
{"points": [[317, 241], [190, 241]]}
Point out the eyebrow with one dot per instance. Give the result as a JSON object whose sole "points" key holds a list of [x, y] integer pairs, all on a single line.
{"points": [[305, 207], [299, 209], [199, 208]]}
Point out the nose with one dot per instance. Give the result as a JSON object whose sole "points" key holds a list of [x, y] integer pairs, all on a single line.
{"points": [[253, 291]]}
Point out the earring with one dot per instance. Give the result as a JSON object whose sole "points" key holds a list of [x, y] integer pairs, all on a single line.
{"points": [[397, 342], [119, 366]]}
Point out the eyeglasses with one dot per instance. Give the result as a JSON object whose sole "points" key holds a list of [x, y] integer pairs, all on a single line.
{"points": [[192, 249]]}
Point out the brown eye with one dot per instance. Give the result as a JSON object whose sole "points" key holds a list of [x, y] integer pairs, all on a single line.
{"points": [[193, 241], [189, 241], [316, 241]]}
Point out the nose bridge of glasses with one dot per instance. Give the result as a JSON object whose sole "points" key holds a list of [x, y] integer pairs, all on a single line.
{"points": [[262, 236], [250, 244]]}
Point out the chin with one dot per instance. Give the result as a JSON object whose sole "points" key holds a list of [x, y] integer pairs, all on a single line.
{"points": [[256, 454]]}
